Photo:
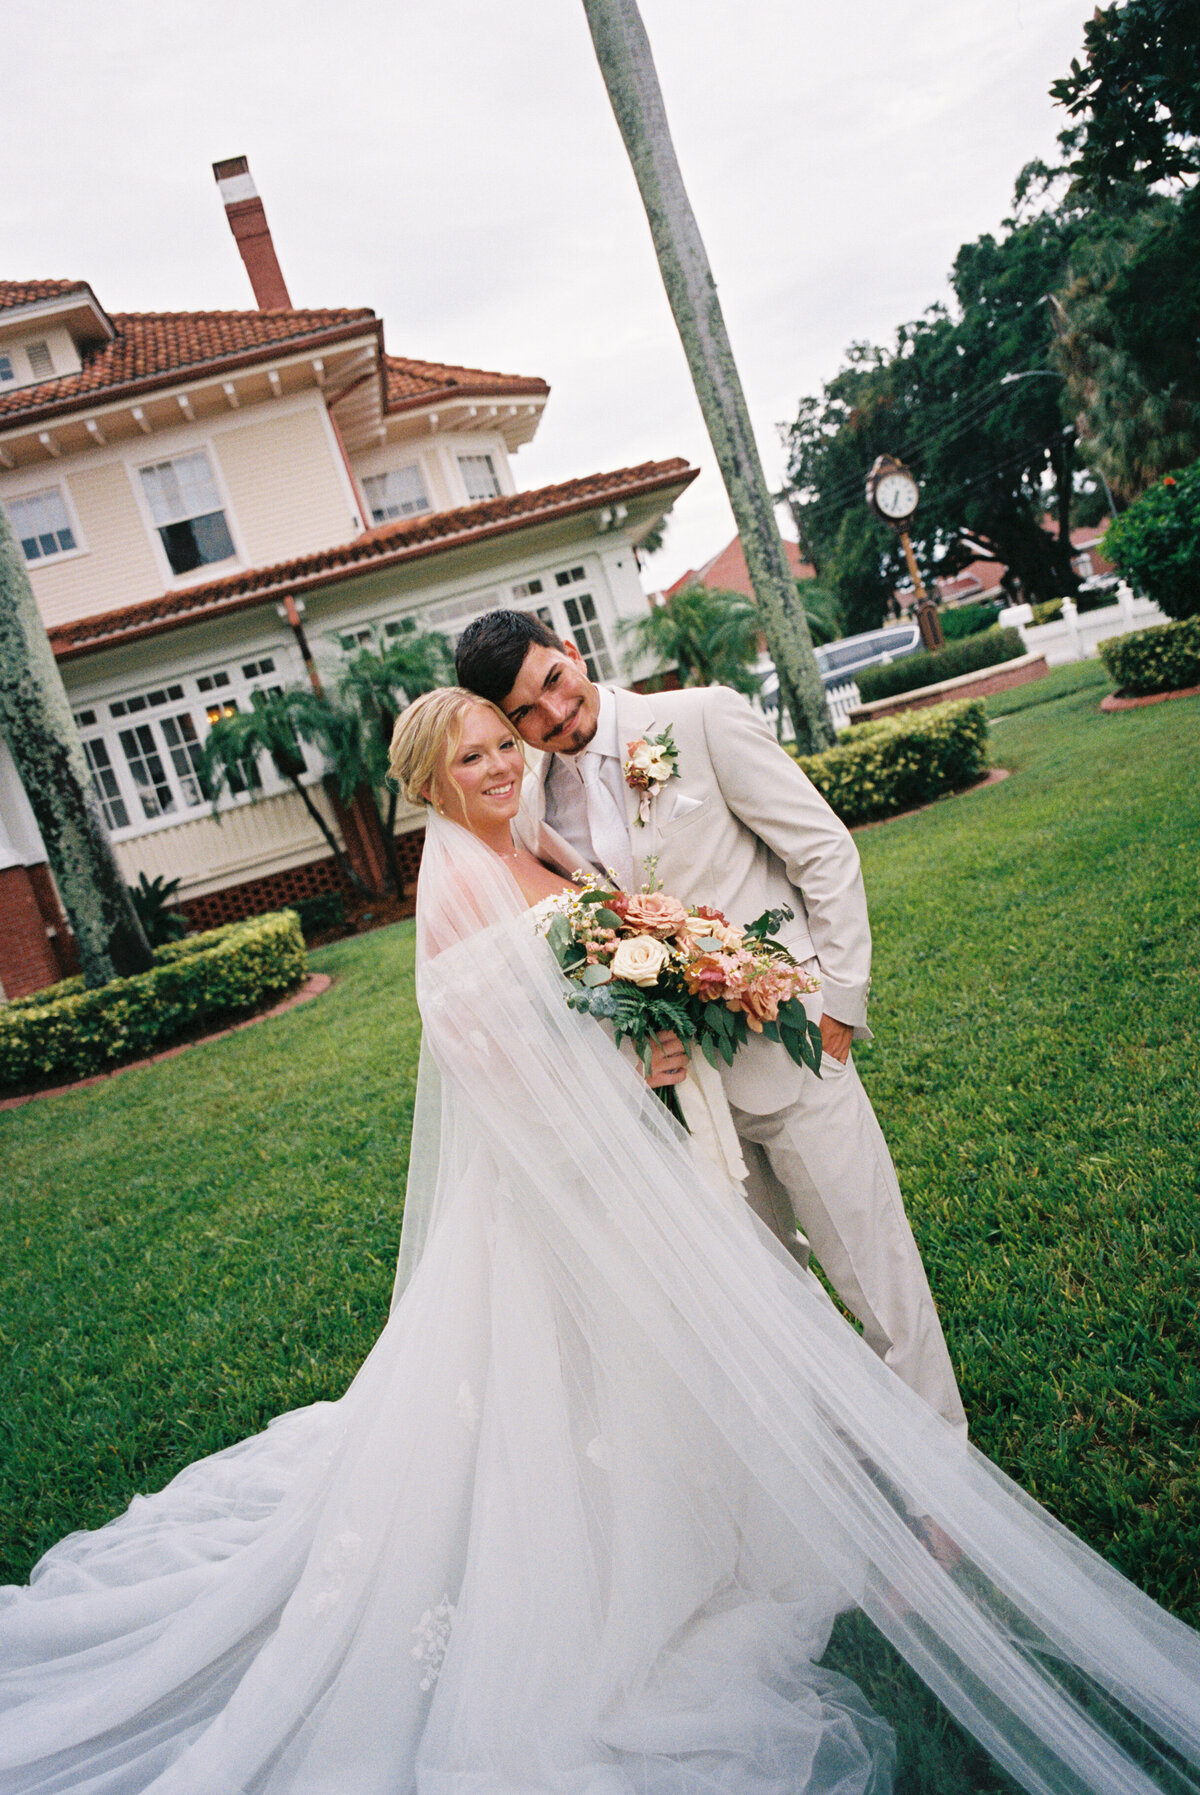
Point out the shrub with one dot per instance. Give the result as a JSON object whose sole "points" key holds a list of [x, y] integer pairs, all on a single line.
{"points": [[69, 1031], [322, 914], [894, 763], [968, 620], [1156, 543], [160, 919], [1163, 659], [1050, 610], [987, 649]]}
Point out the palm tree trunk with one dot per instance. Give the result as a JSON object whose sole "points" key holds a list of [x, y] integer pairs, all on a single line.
{"points": [[35, 716], [627, 65], [340, 860]]}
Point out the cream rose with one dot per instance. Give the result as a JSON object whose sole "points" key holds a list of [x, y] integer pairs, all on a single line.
{"points": [[639, 959], [656, 912]]}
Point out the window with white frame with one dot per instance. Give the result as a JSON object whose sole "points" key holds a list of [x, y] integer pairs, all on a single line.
{"points": [[104, 779], [41, 524], [588, 632], [187, 511], [7, 371], [479, 476], [398, 493]]}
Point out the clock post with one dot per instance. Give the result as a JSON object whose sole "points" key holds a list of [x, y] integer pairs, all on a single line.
{"points": [[892, 494]]}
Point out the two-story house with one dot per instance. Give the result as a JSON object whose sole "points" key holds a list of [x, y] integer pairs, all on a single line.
{"points": [[196, 493]]}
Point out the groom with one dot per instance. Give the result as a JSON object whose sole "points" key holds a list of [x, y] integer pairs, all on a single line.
{"points": [[735, 824]]}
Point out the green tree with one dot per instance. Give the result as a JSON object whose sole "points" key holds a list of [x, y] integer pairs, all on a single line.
{"points": [[708, 635], [36, 721], [623, 52], [271, 730], [1136, 95], [1155, 544]]}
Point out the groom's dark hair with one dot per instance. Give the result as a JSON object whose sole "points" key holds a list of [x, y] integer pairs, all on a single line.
{"points": [[491, 651]]}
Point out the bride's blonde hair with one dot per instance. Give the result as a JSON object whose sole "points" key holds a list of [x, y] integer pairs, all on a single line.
{"points": [[426, 736]]}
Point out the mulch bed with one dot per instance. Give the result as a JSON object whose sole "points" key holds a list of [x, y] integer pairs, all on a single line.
{"points": [[1116, 702], [315, 985]]}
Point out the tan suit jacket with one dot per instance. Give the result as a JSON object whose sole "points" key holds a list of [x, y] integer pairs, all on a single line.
{"points": [[742, 828]]}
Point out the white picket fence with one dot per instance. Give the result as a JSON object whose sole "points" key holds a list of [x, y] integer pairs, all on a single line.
{"points": [[1075, 636]]}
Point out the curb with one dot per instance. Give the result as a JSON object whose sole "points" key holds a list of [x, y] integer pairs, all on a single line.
{"points": [[1114, 701], [315, 985]]}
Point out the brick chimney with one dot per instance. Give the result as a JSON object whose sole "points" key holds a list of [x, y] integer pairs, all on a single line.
{"points": [[248, 222]]}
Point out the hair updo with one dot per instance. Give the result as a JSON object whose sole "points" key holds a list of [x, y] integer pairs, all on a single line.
{"points": [[426, 736]]}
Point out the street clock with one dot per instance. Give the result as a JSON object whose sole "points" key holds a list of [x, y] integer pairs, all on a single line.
{"points": [[892, 492]]}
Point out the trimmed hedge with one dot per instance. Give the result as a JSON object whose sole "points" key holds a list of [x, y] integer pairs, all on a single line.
{"points": [[1163, 659], [895, 763], [987, 649], [69, 1031], [1155, 544], [968, 620]]}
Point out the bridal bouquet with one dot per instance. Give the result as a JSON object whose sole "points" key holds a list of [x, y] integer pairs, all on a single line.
{"points": [[645, 963]]}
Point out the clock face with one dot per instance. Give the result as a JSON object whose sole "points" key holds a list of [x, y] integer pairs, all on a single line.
{"points": [[896, 495]]}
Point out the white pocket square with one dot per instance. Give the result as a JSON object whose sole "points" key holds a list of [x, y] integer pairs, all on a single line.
{"points": [[682, 806]]}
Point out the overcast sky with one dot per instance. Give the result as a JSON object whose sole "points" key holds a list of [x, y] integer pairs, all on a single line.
{"points": [[454, 164]]}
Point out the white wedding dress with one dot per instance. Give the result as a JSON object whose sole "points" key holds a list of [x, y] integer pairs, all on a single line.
{"points": [[584, 1519]]}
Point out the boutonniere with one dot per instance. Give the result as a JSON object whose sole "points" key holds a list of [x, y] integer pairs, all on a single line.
{"points": [[648, 766]]}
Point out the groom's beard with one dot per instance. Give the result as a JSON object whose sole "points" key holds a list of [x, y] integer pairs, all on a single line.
{"points": [[573, 737]]}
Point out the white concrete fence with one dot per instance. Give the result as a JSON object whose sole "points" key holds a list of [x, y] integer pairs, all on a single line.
{"points": [[1075, 637]]}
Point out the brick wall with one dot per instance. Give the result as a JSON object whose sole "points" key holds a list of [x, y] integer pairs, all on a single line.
{"points": [[254, 897], [27, 959]]}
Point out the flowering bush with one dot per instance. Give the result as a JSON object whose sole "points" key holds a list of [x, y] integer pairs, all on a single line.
{"points": [[645, 963], [1163, 659], [1156, 543], [895, 763], [69, 1031]]}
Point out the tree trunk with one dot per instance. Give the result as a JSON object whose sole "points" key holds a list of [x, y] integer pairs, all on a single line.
{"points": [[35, 715], [627, 65], [339, 859]]}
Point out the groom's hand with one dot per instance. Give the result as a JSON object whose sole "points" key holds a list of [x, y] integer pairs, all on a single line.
{"points": [[668, 1060], [836, 1038]]}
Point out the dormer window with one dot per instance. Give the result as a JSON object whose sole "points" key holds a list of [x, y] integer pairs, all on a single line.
{"points": [[187, 511], [479, 477], [7, 371], [398, 493], [41, 524]]}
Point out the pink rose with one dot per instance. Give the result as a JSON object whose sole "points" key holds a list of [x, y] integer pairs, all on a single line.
{"points": [[655, 913]]}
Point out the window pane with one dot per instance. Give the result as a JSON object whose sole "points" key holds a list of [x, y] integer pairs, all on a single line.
{"points": [[179, 733], [104, 783], [398, 493], [588, 634], [479, 476], [197, 542], [180, 489], [41, 525], [6, 368], [150, 776]]}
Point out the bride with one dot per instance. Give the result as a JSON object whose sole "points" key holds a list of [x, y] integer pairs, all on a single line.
{"points": [[584, 1520]]}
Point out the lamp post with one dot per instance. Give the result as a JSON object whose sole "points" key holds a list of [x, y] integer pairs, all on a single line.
{"points": [[892, 494]]}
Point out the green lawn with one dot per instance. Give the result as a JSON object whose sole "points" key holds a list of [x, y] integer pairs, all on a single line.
{"points": [[188, 1249]]}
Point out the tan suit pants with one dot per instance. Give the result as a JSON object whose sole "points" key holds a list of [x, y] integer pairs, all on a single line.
{"points": [[823, 1163]]}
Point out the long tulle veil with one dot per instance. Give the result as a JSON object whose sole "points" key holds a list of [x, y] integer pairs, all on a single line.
{"points": [[1069, 1676], [584, 1519]]}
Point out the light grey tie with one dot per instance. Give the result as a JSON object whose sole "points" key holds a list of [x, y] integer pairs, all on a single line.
{"points": [[606, 825]]}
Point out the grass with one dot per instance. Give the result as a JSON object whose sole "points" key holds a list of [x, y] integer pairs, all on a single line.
{"points": [[189, 1249], [1060, 682]]}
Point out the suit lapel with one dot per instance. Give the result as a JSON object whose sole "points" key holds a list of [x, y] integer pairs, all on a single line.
{"points": [[635, 718]]}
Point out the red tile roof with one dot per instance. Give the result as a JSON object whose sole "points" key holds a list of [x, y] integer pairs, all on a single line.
{"points": [[416, 382], [729, 572], [408, 539], [155, 348], [29, 292]]}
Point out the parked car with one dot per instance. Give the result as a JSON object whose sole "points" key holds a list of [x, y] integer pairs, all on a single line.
{"points": [[840, 662]]}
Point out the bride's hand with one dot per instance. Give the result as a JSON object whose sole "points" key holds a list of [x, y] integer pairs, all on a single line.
{"points": [[668, 1061]]}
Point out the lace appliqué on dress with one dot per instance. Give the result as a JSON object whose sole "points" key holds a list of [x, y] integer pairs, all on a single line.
{"points": [[344, 1550], [433, 1637]]}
